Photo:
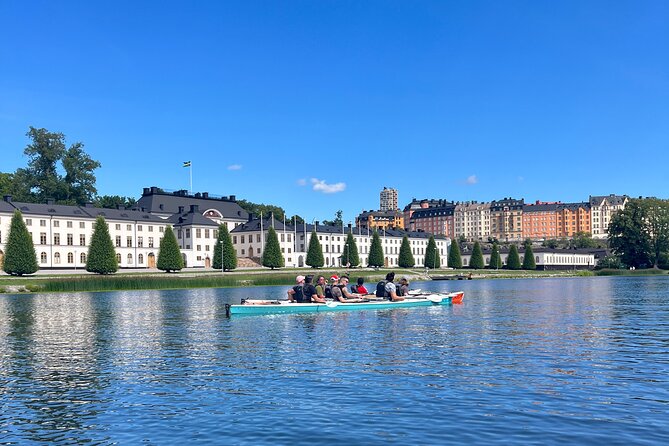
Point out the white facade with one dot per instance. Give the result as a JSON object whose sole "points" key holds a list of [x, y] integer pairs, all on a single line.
{"points": [[549, 260], [388, 199], [601, 211], [472, 221]]}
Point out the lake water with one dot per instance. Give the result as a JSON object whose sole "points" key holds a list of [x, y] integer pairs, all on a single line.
{"points": [[539, 361]]}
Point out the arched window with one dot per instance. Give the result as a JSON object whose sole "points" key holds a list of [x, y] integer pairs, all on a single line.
{"points": [[140, 259], [42, 257], [129, 259], [56, 258], [82, 257], [70, 257], [118, 258]]}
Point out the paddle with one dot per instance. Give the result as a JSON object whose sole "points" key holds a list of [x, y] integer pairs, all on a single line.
{"points": [[332, 304], [414, 292], [435, 299]]}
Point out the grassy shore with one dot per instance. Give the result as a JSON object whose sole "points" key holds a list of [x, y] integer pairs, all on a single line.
{"points": [[260, 277]]}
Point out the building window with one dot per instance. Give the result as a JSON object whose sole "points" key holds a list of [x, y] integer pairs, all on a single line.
{"points": [[234, 239], [118, 258], [56, 239], [198, 233], [42, 222], [128, 227], [82, 239], [29, 221], [82, 257], [140, 242], [243, 239], [129, 259], [118, 227], [42, 257], [56, 224], [187, 233], [42, 238], [69, 225], [70, 257], [257, 238], [199, 248], [139, 228], [150, 242], [140, 259], [161, 229], [56, 258], [70, 239], [82, 225], [118, 241], [150, 228], [129, 242], [206, 233]]}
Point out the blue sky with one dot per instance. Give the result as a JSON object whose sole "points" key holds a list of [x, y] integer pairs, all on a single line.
{"points": [[317, 105]]}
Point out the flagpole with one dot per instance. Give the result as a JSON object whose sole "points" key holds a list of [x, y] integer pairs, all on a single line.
{"points": [[262, 237], [190, 170]]}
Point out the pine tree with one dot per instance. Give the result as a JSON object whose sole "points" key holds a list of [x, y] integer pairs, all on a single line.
{"points": [[375, 252], [513, 259], [495, 258], [101, 258], [432, 257], [406, 259], [454, 258], [350, 256], [169, 255], [20, 257], [271, 256], [315, 253], [476, 261], [528, 258], [224, 258]]}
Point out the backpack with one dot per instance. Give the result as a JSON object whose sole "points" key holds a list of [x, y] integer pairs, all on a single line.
{"points": [[381, 289], [328, 292]]}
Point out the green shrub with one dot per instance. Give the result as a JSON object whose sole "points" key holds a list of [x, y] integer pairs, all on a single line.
{"points": [[20, 257]]}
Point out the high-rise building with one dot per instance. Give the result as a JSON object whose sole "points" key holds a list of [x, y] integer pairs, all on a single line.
{"points": [[388, 200]]}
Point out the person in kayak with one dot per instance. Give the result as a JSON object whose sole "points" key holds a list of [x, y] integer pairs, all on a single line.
{"points": [[391, 288], [360, 287], [340, 292], [304, 291], [404, 287]]}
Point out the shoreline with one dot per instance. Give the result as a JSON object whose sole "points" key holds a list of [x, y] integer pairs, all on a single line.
{"points": [[69, 281]]}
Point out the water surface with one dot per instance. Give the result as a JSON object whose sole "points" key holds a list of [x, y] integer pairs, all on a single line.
{"points": [[537, 361]]}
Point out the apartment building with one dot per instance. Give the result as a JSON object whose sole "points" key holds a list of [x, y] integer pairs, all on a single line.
{"points": [[506, 219], [472, 220], [602, 209]]}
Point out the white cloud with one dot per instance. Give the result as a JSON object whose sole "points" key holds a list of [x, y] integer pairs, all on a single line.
{"points": [[322, 186], [235, 167], [301, 182], [471, 179]]}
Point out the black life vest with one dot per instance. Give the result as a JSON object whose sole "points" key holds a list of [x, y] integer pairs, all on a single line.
{"points": [[299, 294], [381, 289], [328, 292]]}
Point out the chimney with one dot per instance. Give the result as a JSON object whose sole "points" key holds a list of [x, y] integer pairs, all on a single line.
{"points": [[50, 201], [88, 204], [205, 194], [198, 195], [181, 209], [120, 207], [251, 216], [233, 198], [146, 191], [7, 198], [194, 208], [154, 190]]}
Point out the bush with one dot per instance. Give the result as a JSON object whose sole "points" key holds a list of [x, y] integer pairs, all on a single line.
{"points": [[20, 257], [271, 256], [101, 258], [528, 258], [169, 254], [405, 259], [513, 259], [454, 257], [476, 261], [375, 252], [432, 257]]}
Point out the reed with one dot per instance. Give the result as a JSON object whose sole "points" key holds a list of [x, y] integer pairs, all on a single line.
{"points": [[627, 272]]}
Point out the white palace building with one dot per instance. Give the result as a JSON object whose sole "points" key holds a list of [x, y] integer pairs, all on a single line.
{"points": [[61, 233]]}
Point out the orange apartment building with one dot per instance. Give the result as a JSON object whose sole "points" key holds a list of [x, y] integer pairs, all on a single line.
{"points": [[573, 218], [540, 220]]}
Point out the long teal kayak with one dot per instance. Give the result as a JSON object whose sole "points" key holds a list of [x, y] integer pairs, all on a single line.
{"points": [[259, 307]]}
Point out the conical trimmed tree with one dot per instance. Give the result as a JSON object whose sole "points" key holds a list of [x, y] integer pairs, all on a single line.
{"points": [[454, 257], [375, 259], [224, 258], [350, 256], [20, 256], [476, 261], [495, 258], [315, 257], [406, 259], [169, 255], [101, 258], [432, 257], [513, 259], [271, 256], [528, 258]]}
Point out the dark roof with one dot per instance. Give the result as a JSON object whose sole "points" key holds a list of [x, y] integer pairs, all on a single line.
{"points": [[377, 214], [59, 210], [192, 217], [122, 214], [553, 207], [612, 199], [6, 207], [157, 201], [573, 206], [254, 225], [507, 202], [433, 212]]}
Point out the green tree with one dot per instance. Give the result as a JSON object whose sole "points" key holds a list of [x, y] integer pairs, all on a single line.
{"points": [[350, 256], [6, 184], [266, 210], [375, 259], [101, 258], [169, 254], [610, 262], [627, 236], [114, 201], [20, 257], [513, 259], [476, 261], [528, 258], [225, 256], [271, 256], [338, 221], [656, 224], [454, 256], [582, 240], [315, 252], [405, 259], [495, 258], [432, 257], [550, 243], [41, 178]]}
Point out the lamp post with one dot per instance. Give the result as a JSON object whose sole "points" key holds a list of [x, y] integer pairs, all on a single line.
{"points": [[222, 267]]}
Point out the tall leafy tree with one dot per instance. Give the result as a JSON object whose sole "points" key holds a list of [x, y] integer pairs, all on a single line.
{"points": [[405, 259], [41, 179], [169, 254], [495, 258], [657, 227], [454, 256], [101, 258], [376, 258], [513, 259], [627, 236], [6, 184], [476, 261], [338, 220], [550, 243], [583, 240], [20, 257], [114, 201], [350, 256], [315, 257], [271, 256], [528, 258], [432, 257], [225, 256]]}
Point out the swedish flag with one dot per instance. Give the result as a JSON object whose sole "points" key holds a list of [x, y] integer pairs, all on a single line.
{"points": [[186, 163]]}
